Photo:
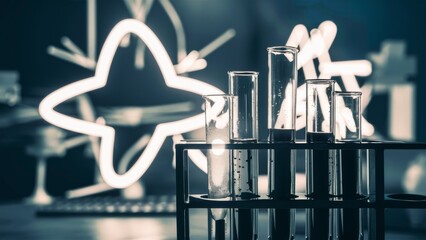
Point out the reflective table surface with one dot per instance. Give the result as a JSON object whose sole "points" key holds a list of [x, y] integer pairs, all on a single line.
{"points": [[18, 221]]}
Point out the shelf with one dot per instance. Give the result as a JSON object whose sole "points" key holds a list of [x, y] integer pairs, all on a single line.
{"points": [[303, 145], [376, 161], [405, 201], [200, 201]]}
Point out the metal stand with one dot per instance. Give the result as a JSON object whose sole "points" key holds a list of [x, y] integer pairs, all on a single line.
{"points": [[377, 200]]}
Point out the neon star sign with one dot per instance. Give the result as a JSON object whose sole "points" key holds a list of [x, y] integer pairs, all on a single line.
{"points": [[107, 133]]}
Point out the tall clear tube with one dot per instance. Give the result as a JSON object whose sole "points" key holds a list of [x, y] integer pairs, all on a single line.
{"points": [[243, 87], [218, 113], [347, 222], [319, 129], [282, 85]]}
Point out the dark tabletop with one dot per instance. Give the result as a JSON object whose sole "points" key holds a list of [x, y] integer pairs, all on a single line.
{"points": [[18, 221]]}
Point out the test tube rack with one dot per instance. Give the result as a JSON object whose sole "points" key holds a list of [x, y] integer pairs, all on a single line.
{"points": [[377, 200]]}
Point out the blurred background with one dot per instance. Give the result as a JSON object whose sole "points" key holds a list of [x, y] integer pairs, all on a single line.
{"points": [[47, 44]]}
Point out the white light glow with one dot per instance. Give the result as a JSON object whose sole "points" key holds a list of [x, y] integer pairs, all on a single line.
{"points": [[218, 147], [340, 131], [186, 62], [88, 190], [317, 46], [300, 37], [129, 155], [198, 65], [367, 94], [91, 29], [392, 67], [367, 128], [352, 68], [414, 178], [139, 10], [285, 109], [318, 43], [71, 57], [219, 41], [344, 120], [349, 120], [106, 133], [87, 112], [402, 112], [195, 61], [71, 46], [329, 30], [197, 157], [178, 26], [221, 120]]}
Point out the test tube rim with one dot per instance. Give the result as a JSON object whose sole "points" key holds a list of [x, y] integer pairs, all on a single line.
{"points": [[282, 49], [243, 73], [348, 93], [217, 95], [319, 80]]}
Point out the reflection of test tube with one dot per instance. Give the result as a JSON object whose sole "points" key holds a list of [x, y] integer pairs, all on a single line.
{"points": [[319, 129], [282, 84], [218, 111], [347, 170], [243, 86]]}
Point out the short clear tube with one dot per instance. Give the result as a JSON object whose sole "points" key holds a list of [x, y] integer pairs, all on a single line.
{"points": [[347, 174], [319, 162]]}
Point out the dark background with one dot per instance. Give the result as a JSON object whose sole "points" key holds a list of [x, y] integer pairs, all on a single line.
{"points": [[28, 27]]}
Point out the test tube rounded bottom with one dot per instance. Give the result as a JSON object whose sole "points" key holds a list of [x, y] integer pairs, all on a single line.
{"points": [[218, 229]]}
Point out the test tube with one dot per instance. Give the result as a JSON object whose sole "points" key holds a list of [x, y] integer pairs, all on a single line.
{"points": [[348, 171], [218, 112], [243, 87], [282, 84], [319, 129]]}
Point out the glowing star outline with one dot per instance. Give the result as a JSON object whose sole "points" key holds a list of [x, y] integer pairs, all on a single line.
{"points": [[107, 133]]}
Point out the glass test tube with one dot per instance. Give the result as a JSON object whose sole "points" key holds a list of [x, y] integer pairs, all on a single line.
{"points": [[319, 129], [218, 112], [347, 170], [282, 84], [243, 86]]}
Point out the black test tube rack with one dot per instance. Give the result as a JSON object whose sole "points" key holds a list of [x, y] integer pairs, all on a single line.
{"points": [[377, 201]]}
